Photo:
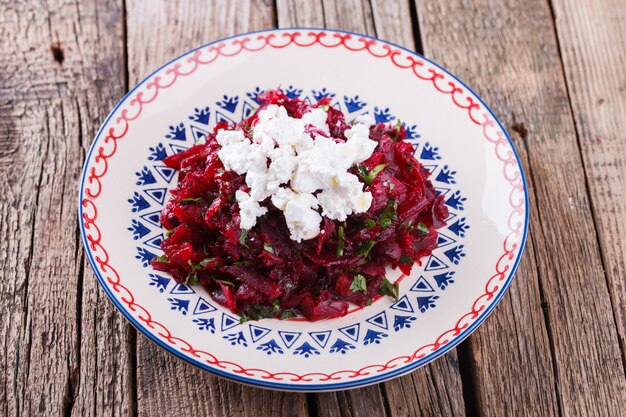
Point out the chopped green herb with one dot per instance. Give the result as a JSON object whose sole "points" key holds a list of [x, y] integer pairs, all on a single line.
{"points": [[190, 200], [391, 185], [256, 312], [359, 283], [161, 258], [368, 302], [398, 123], [276, 305], [362, 171], [264, 313], [243, 236], [192, 279], [365, 249], [290, 285], [267, 247], [324, 107], [193, 266], [244, 318], [224, 282], [340, 242], [169, 233], [406, 259], [202, 263], [422, 227], [387, 288], [368, 177], [287, 314], [370, 223], [388, 214]]}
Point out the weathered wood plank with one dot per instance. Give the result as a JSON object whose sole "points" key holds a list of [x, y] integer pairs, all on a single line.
{"points": [[508, 52], [593, 48], [167, 385], [60, 66], [435, 389]]}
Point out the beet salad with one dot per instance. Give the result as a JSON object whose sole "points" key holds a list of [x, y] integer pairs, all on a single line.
{"points": [[295, 212]]}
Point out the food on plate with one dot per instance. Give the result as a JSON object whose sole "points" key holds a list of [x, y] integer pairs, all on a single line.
{"points": [[294, 211]]}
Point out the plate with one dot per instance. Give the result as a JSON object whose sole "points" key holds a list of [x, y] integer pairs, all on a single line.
{"points": [[457, 138]]}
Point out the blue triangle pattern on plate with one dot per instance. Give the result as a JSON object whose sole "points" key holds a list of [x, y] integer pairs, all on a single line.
{"points": [[157, 194], [166, 173], [247, 110], [228, 322], [379, 320], [421, 285], [221, 117], [403, 304], [434, 264], [257, 332], [202, 306], [197, 133], [430, 167], [352, 331], [178, 148], [442, 190], [155, 242], [443, 240], [182, 289], [153, 218], [289, 338], [321, 338]]}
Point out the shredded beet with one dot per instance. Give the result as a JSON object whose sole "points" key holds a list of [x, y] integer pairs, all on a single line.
{"points": [[262, 273]]}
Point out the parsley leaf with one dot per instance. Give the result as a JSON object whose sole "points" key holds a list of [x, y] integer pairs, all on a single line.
{"points": [[365, 249], [169, 233], [190, 200], [276, 305], [192, 279], [422, 228], [161, 258], [406, 259], [388, 214], [243, 236], [387, 288], [368, 177], [368, 302], [287, 314], [340, 242], [268, 247], [224, 282], [370, 223], [359, 283]]}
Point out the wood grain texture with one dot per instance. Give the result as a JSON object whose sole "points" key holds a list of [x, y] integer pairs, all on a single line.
{"points": [[592, 40], [435, 389], [167, 386], [60, 69], [508, 52]]}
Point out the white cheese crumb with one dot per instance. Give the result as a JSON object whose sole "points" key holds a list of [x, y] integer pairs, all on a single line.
{"points": [[285, 163]]}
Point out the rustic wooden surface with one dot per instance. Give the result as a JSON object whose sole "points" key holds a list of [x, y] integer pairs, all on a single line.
{"points": [[553, 71]]}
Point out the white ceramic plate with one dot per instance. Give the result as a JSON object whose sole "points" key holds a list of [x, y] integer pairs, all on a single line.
{"points": [[124, 186]]}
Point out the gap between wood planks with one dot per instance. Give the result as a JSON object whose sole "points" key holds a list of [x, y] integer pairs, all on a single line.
{"points": [[131, 332]]}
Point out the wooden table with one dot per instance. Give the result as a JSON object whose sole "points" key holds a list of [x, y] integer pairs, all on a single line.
{"points": [[553, 72]]}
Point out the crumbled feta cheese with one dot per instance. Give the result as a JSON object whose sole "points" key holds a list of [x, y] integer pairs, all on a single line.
{"points": [[285, 163], [249, 209], [367, 119]]}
